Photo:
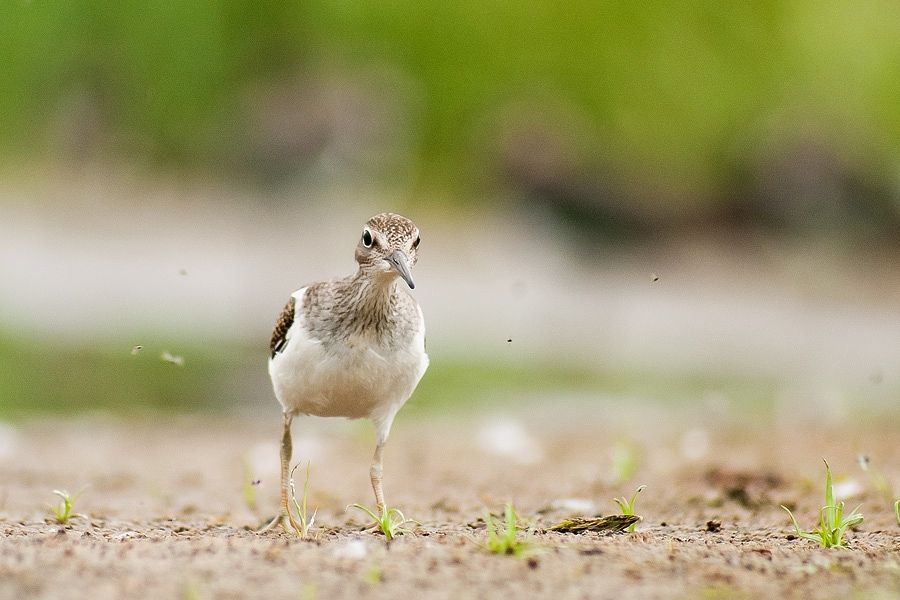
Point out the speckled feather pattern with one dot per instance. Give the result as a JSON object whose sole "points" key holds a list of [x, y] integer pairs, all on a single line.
{"points": [[285, 320], [355, 346], [396, 228], [337, 310]]}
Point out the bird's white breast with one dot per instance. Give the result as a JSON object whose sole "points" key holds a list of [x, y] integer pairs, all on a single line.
{"points": [[354, 378]]}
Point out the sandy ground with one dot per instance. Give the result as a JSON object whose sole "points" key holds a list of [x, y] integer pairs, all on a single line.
{"points": [[166, 515]]}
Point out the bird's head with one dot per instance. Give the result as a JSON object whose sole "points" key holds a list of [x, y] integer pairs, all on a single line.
{"points": [[388, 247]]}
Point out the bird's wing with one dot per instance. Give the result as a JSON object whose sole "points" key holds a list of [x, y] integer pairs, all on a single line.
{"points": [[279, 334]]}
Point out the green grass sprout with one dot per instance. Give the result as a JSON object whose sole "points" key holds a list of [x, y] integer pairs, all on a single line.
{"points": [[897, 510], [62, 511], [303, 517], [627, 506], [392, 522], [832, 522], [506, 541]]}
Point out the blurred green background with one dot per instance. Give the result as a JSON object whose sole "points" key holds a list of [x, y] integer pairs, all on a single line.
{"points": [[778, 110], [617, 129]]}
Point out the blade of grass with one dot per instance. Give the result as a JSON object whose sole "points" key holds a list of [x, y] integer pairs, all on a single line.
{"points": [[800, 532], [392, 522], [833, 523]]}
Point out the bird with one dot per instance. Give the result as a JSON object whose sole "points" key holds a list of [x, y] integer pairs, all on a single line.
{"points": [[352, 347]]}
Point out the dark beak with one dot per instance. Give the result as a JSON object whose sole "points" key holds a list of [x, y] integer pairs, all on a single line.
{"points": [[400, 264]]}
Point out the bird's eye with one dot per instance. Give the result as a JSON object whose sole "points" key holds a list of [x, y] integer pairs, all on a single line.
{"points": [[416, 243], [367, 238]]}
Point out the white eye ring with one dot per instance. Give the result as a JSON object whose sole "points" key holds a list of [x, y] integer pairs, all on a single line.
{"points": [[367, 238]]}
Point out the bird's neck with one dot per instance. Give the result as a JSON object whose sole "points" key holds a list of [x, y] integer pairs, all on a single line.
{"points": [[368, 289], [366, 303]]}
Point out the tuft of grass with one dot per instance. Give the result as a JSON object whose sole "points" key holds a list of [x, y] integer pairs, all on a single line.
{"points": [[832, 521], [897, 510], [627, 506], [392, 522], [63, 511], [506, 541], [303, 517]]}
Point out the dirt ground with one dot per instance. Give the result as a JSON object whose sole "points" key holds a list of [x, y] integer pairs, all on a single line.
{"points": [[171, 506]]}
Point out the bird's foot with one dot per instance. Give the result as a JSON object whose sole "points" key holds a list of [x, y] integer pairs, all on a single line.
{"points": [[286, 520]]}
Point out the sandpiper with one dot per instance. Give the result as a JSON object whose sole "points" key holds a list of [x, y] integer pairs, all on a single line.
{"points": [[352, 347]]}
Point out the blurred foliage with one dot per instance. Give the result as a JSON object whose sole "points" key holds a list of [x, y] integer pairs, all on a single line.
{"points": [[41, 378], [636, 116], [636, 111], [161, 76], [64, 380], [71, 379], [468, 384]]}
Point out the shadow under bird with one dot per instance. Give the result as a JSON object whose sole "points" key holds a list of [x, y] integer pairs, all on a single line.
{"points": [[352, 347]]}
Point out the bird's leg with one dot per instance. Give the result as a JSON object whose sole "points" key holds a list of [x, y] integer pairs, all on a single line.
{"points": [[285, 517], [287, 452], [375, 473]]}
